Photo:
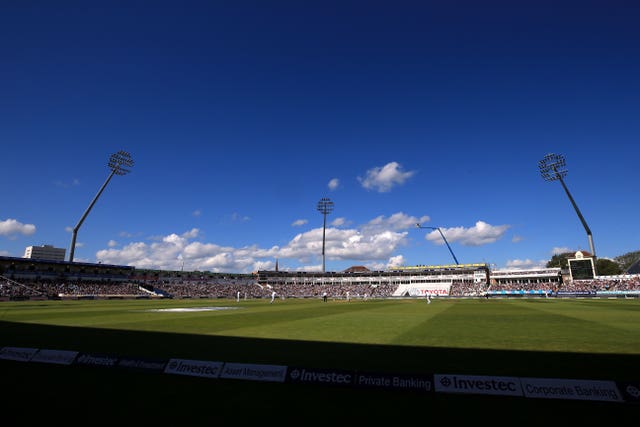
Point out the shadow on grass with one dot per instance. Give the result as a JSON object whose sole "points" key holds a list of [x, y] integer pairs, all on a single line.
{"points": [[362, 357], [36, 393]]}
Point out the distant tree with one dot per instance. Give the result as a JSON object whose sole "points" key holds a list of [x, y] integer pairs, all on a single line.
{"points": [[604, 266], [560, 260], [607, 267], [625, 261]]}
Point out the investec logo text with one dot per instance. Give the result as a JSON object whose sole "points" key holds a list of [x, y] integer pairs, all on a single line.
{"points": [[96, 360], [303, 375], [474, 384], [194, 368]]}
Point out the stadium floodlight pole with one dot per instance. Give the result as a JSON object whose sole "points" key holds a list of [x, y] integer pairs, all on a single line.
{"points": [[325, 207], [118, 163], [443, 238], [552, 168]]}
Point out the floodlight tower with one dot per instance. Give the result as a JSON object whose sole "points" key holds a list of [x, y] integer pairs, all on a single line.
{"points": [[118, 163], [552, 168], [443, 238], [325, 207]]}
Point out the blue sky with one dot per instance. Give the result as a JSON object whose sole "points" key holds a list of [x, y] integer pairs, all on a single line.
{"points": [[241, 115]]}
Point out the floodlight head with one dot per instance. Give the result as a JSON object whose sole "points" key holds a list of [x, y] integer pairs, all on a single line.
{"points": [[552, 167], [325, 206], [118, 161], [424, 226]]}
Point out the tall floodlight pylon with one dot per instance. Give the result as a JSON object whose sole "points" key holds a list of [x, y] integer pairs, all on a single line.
{"points": [[118, 163], [552, 168], [325, 207], [443, 238]]}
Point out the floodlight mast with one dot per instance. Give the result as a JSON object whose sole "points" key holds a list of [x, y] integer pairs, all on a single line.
{"points": [[443, 238], [118, 163], [552, 168], [325, 207]]}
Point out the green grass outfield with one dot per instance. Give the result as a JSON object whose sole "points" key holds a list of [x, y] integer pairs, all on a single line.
{"points": [[550, 338]]}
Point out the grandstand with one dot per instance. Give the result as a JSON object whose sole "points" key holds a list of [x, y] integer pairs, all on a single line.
{"points": [[22, 278], [516, 282], [466, 280], [33, 269], [414, 281]]}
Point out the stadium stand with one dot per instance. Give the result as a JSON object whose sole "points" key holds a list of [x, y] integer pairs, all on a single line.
{"points": [[22, 279]]}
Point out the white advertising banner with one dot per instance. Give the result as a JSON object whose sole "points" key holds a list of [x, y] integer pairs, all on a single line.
{"points": [[254, 372], [194, 368], [555, 388], [58, 357], [21, 354], [424, 289], [477, 384]]}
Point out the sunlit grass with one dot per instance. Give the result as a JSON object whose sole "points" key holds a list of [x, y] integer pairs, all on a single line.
{"points": [[593, 326]]}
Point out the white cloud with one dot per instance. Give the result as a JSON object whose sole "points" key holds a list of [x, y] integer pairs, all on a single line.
{"points": [[112, 243], [339, 222], [560, 250], [397, 221], [11, 227], [351, 244], [263, 265], [63, 184], [375, 240], [516, 239], [314, 267], [236, 217], [170, 251], [334, 184], [299, 222], [395, 261], [478, 235], [375, 266], [374, 244], [197, 212], [523, 264], [191, 234], [382, 179]]}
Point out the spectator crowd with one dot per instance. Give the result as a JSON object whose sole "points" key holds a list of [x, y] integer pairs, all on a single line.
{"points": [[249, 288]]}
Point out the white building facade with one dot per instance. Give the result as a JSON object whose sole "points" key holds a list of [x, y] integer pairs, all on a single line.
{"points": [[47, 252]]}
